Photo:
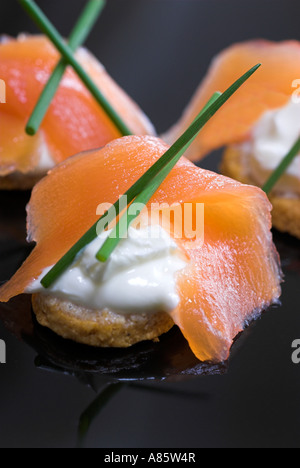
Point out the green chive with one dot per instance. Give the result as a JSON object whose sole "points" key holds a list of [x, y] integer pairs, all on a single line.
{"points": [[283, 166], [168, 161], [49, 30], [87, 417], [144, 197], [78, 36], [146, 179], [91, 234]]}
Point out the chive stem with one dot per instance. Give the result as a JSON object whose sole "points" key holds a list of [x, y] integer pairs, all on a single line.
{"points": [[144, 197], [51, 32], [168, 161], [78, 36], [283, 166], [91, 234], [138, 187]]}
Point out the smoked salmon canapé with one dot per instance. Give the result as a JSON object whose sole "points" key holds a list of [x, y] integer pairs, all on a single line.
{"points": [[210, 279], [259, 125], [74, 122]]}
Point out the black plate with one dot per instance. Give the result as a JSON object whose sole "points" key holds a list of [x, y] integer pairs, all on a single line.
{"points": [[107, 370], [158, 50], [170, 358]]}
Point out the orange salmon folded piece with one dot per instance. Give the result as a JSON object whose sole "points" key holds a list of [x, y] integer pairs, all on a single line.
{"points": [[74, 122], [271, 87], [228, 280]]}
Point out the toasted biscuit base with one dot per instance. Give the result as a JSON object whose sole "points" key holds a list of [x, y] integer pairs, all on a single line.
{"points": [[286, 211], [98, 328]]}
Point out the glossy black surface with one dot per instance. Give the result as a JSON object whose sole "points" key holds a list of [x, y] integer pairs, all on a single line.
{"points": [[57, 394]]}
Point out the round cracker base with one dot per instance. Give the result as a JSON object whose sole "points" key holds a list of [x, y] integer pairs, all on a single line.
{"points": [[98, 328], [286, 211]]}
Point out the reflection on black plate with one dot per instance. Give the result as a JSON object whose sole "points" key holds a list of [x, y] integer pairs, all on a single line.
{"points": [[170, 358]]}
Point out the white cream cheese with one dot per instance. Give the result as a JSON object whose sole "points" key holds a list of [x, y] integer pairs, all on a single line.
{"points": [[46, 161], [272, 138], [138, 277]]}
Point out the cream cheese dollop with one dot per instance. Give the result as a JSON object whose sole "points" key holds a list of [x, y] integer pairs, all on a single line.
{"points": [[139, 276], [272, 138], [46, 161]]}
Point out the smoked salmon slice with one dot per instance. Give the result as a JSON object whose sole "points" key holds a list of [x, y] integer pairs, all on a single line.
{"points": [[229, 279], [75, 122], [271, 87]]}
